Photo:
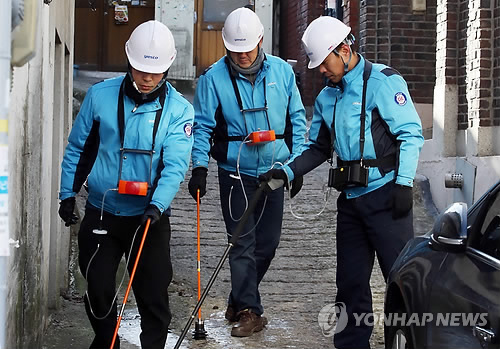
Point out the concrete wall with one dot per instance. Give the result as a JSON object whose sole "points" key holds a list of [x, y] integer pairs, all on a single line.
{"points": [[39, 122], [179, 17], [264, 9], [466, 121]]}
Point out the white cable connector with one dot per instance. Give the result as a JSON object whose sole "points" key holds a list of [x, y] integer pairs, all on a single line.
{"points": [[14, 243]]}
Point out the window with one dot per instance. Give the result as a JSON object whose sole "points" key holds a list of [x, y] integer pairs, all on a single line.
{"points": [[217, 10], [490, 229]]}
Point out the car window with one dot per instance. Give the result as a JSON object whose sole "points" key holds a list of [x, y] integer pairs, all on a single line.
{"points": [[490, 229]]}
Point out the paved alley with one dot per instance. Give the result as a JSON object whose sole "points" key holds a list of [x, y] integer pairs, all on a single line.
{"points": [[300, 282]]}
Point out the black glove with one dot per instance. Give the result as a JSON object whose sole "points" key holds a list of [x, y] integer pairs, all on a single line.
{"points": [[275, 173], [152, 212], [296, 185], [66, 211], [198, 181], [402, 201]]}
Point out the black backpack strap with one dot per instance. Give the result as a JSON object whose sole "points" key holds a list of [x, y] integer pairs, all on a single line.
{"points": [[235, 86], [366, 75], [121, 114], [332, 132], [157, 118]]}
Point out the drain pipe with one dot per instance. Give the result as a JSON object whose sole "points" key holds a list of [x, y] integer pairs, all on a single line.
{"points": [[5, 39]]}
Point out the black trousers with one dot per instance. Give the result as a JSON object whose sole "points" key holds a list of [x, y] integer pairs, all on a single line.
{"points": [[99, 258], [365, 228], [251, 256]]}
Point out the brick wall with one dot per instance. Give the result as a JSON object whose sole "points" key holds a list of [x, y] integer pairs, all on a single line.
{"points": [[295, 16], [480, 63], [496, 62], [386, 31], [446, 42], [468, 55], [463, 19], [392, 34], [351, 17]]}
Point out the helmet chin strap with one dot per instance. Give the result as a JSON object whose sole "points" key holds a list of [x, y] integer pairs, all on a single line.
{"points": [[348, 41], [346, 64]]}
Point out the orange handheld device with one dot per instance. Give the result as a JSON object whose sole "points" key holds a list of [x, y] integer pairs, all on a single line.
{"points": [[133, 188], [260, 137]]}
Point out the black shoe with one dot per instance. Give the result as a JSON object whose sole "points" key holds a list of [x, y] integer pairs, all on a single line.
{"points": [[248, 323]]}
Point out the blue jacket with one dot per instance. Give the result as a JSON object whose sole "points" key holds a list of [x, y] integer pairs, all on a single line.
{"points": [[94, 149], [218, 116], [392, 127]]}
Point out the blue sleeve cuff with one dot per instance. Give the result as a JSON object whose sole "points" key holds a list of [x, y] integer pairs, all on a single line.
{"points": [[289, 172], [63, 196], [408, 182], [159, 205]]}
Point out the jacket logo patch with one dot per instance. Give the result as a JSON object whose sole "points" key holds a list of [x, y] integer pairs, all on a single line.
{"points": [[188, 129], [400, 98]]}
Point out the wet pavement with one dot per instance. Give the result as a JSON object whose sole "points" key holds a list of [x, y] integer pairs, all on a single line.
{"points": [[299, 283]]}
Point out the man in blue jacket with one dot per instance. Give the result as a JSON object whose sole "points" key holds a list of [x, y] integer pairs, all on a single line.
{"points": [[376, 133], [132, 142], [248, 116]]}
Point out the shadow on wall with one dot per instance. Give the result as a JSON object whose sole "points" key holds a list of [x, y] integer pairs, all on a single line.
{"points": [[426, 115]]}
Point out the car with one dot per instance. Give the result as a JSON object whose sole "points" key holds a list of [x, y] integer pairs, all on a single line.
{"points": [[443, 290]]}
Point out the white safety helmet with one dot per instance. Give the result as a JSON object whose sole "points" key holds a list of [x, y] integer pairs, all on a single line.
{"points": [[321, 37], [151, 48], [242, 30]]}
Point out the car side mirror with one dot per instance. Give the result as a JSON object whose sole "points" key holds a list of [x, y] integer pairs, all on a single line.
{"points": [[449, 233]]}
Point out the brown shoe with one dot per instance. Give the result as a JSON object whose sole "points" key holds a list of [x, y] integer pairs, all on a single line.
{"points": [[230, 314], [248, 323]]}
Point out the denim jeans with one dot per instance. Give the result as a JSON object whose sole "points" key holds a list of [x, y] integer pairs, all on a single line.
{"points": [[250, 257]]}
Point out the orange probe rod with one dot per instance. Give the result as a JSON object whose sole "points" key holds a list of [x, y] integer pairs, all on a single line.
{"points": [[130, 282], [198, 243]]}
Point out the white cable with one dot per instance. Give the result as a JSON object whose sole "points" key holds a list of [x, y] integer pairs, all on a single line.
{"points": [[238, 176], [243, 189], [327, 196], [121, 282], [255, 225], [102, 204]]}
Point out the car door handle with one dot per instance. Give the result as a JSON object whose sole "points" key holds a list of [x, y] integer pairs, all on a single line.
{"points": [[484, 335]]}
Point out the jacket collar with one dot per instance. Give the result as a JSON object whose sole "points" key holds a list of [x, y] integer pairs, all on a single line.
{"points": [[355, 72]]}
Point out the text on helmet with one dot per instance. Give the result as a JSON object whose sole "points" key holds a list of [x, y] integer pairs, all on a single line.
{"points": [[150, 57]]}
